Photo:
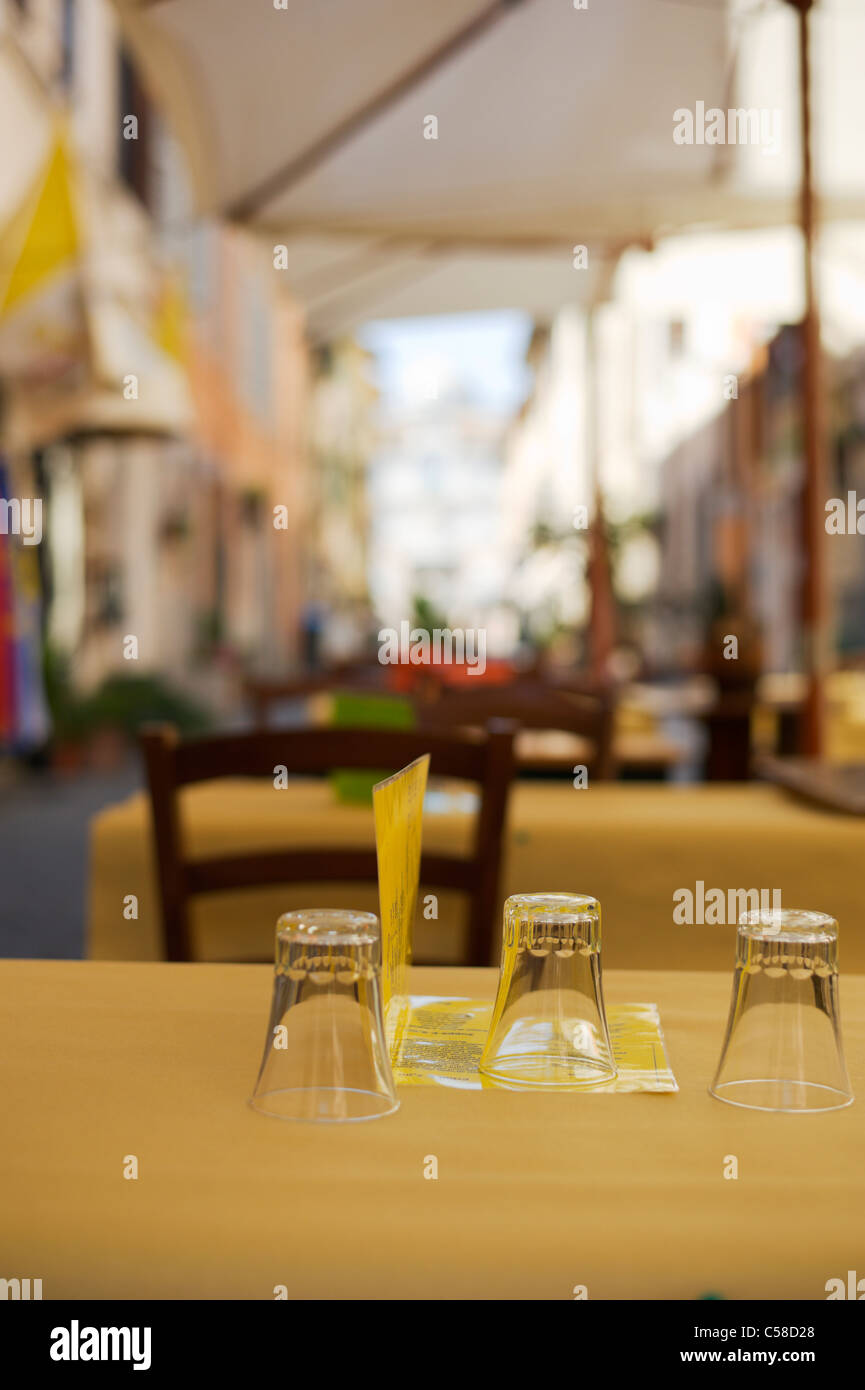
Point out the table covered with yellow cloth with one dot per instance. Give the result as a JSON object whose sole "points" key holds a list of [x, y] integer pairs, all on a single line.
{"points": [[536, 1194], [633, 846]]}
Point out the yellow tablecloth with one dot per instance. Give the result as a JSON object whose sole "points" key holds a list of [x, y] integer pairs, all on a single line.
{"points": [[630, 845], [535, 1193]]}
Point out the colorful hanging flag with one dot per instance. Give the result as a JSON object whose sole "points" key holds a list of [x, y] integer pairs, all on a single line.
{"points": [[8, 722], [24, 718]]}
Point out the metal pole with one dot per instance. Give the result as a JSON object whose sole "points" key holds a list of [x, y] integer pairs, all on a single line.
{"points": [[813, 607], [602, 613]]}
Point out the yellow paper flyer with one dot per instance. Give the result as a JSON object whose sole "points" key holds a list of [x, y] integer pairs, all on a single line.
{"points": [[441, 1041], [398, 809]]}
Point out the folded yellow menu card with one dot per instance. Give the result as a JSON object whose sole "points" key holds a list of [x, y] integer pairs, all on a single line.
{"points": [[398, 808]]}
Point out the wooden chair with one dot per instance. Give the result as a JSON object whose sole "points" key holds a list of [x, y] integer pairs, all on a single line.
{"points": [[531, 707], [728, 724], [262, 693], [486, 759]]}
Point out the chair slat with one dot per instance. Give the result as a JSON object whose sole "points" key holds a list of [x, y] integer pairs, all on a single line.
{"points": [[319, 750]]}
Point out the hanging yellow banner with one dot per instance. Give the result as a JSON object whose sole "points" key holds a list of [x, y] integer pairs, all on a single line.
{"points": [[45, 230], [43, 326]]}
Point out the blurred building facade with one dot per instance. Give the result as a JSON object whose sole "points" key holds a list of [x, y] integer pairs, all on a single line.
{"points": [[732, 515], [548, 497], [435, 487], [170, 444], [336, 613]]}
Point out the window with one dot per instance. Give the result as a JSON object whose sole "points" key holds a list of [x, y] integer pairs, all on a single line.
{"points": [[67, 66], [133, 131]]}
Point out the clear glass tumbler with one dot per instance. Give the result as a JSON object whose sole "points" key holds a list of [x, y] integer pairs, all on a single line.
{"points": [[325, 1056], [782, 1049], [548, 1028]]}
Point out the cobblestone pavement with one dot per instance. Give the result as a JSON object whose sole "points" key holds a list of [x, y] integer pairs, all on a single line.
{"points": [[43, 856]]}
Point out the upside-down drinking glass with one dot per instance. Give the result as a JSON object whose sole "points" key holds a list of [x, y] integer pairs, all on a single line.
{"points": [[325, 1055], [782, 1049], [548, 1028]]}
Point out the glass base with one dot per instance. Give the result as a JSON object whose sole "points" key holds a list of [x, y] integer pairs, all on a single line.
{"points": [[324, 1105], [788, 1097], [540, 1072]]}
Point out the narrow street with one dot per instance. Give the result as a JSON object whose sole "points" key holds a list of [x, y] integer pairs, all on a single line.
{"points": [[44, 834]]}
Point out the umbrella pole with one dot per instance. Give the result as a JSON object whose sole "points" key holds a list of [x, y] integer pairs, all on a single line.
{"points": [[813, 607], [602, 611]]}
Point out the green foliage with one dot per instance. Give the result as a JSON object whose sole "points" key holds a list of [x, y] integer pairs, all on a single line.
{"points": [[121, 702], [425, 615], [127, 702], [69, 717]]}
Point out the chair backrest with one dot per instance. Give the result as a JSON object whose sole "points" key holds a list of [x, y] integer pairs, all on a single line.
{"points": [[262, 693], [486, 759], [531, 707]]}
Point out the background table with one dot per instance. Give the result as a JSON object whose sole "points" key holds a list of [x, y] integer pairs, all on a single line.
{"points": [[631, 845], [535, 1194]]}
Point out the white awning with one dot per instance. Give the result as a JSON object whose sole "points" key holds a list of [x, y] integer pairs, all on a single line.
{"points": [[554, 128], [343, 282]]}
